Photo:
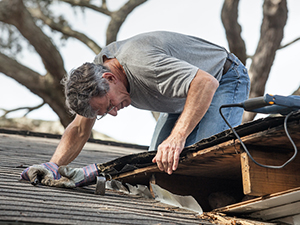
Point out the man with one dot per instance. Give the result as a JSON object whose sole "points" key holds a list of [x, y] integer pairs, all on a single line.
{"points": [[184, 78]]}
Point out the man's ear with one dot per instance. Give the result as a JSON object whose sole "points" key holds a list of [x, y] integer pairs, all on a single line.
{"points": [[110, 77]]}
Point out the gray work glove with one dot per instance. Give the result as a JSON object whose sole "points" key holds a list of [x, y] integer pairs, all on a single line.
{"points": [[77, 177], [43, 173], [50, 174]]}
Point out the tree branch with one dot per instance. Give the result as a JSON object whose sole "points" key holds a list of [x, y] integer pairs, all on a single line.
{"points": [[66, 30], [104, 6], [43, 86], [15, 13], [22, 74], [290, 43], [83, 3], [29, 109], [229, 16], [118, 17]]}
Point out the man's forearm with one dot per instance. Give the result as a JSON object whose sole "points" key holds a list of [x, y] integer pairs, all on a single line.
{"points": [[72, 141], [200, 95]]}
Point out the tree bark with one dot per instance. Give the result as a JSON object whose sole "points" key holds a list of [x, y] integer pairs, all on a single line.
{"points": [[274, 20], [229, 16]]}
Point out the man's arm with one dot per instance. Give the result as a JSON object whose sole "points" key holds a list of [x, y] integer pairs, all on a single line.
{"points": [[73, 140], [199, 97]]}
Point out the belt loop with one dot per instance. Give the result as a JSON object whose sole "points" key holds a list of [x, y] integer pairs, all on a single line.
{"points": [[230, 57], [227, 65]]}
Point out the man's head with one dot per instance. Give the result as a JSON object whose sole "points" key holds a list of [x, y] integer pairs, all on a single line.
{"points": [[82, 85]]}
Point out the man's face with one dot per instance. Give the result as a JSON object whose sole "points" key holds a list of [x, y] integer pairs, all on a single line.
{"points": [[115, 99]]}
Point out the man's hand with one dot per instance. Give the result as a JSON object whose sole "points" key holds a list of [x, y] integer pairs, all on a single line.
{"points": [[50, 174], [168, 152], [199, 97], [42, 173], [71, 178]]}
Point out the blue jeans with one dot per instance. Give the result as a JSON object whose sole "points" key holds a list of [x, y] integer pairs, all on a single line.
{"points": [[233, 87]]}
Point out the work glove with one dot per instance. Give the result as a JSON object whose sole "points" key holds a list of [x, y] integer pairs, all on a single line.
{"points": [[43, 173], [77, 177]]}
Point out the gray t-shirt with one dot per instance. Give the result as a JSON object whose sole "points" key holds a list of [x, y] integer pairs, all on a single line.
{"points": [[161, 65]]}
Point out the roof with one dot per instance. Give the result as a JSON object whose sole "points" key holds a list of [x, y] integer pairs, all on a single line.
{"points": [[22, 202], [218, 168], [211, 165]]}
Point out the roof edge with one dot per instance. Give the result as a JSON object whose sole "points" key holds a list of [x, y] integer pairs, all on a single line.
{"points": [[58, 136]]}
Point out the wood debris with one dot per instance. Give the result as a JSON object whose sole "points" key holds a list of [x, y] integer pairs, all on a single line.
{"points": [[221, 218]]}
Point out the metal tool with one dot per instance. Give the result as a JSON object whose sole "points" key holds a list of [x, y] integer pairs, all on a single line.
{"points": [[272, 104], [100, 185], [269, 104]]}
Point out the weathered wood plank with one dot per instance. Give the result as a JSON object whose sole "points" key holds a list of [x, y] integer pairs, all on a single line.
{"points": [[280, 204], [276, 137], [260, 181]]}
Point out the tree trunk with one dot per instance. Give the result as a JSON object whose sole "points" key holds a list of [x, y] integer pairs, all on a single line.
{"points": [[274, 20], [229, 16], [47, 87]]}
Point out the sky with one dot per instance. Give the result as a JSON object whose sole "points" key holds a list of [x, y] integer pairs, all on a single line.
{"points": [[199, 18]]}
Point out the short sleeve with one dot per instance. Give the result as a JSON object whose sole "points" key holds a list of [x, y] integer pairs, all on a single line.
{"points": [[174, 76]]}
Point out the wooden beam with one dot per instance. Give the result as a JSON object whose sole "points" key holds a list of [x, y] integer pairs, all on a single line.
{"points": [[260, 181]]}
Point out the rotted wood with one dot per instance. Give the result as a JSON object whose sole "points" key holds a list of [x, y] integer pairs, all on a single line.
{"points": [[223, 160], [216, 162], [219, 150], [276, 137], [260, 181]]}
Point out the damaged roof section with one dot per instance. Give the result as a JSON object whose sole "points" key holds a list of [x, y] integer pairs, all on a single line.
{"points": [[214, 169], [218, 173], [22, 203], [267, 132]]}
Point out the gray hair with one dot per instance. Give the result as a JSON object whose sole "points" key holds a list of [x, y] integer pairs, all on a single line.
{"points": [[81, 85]]}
